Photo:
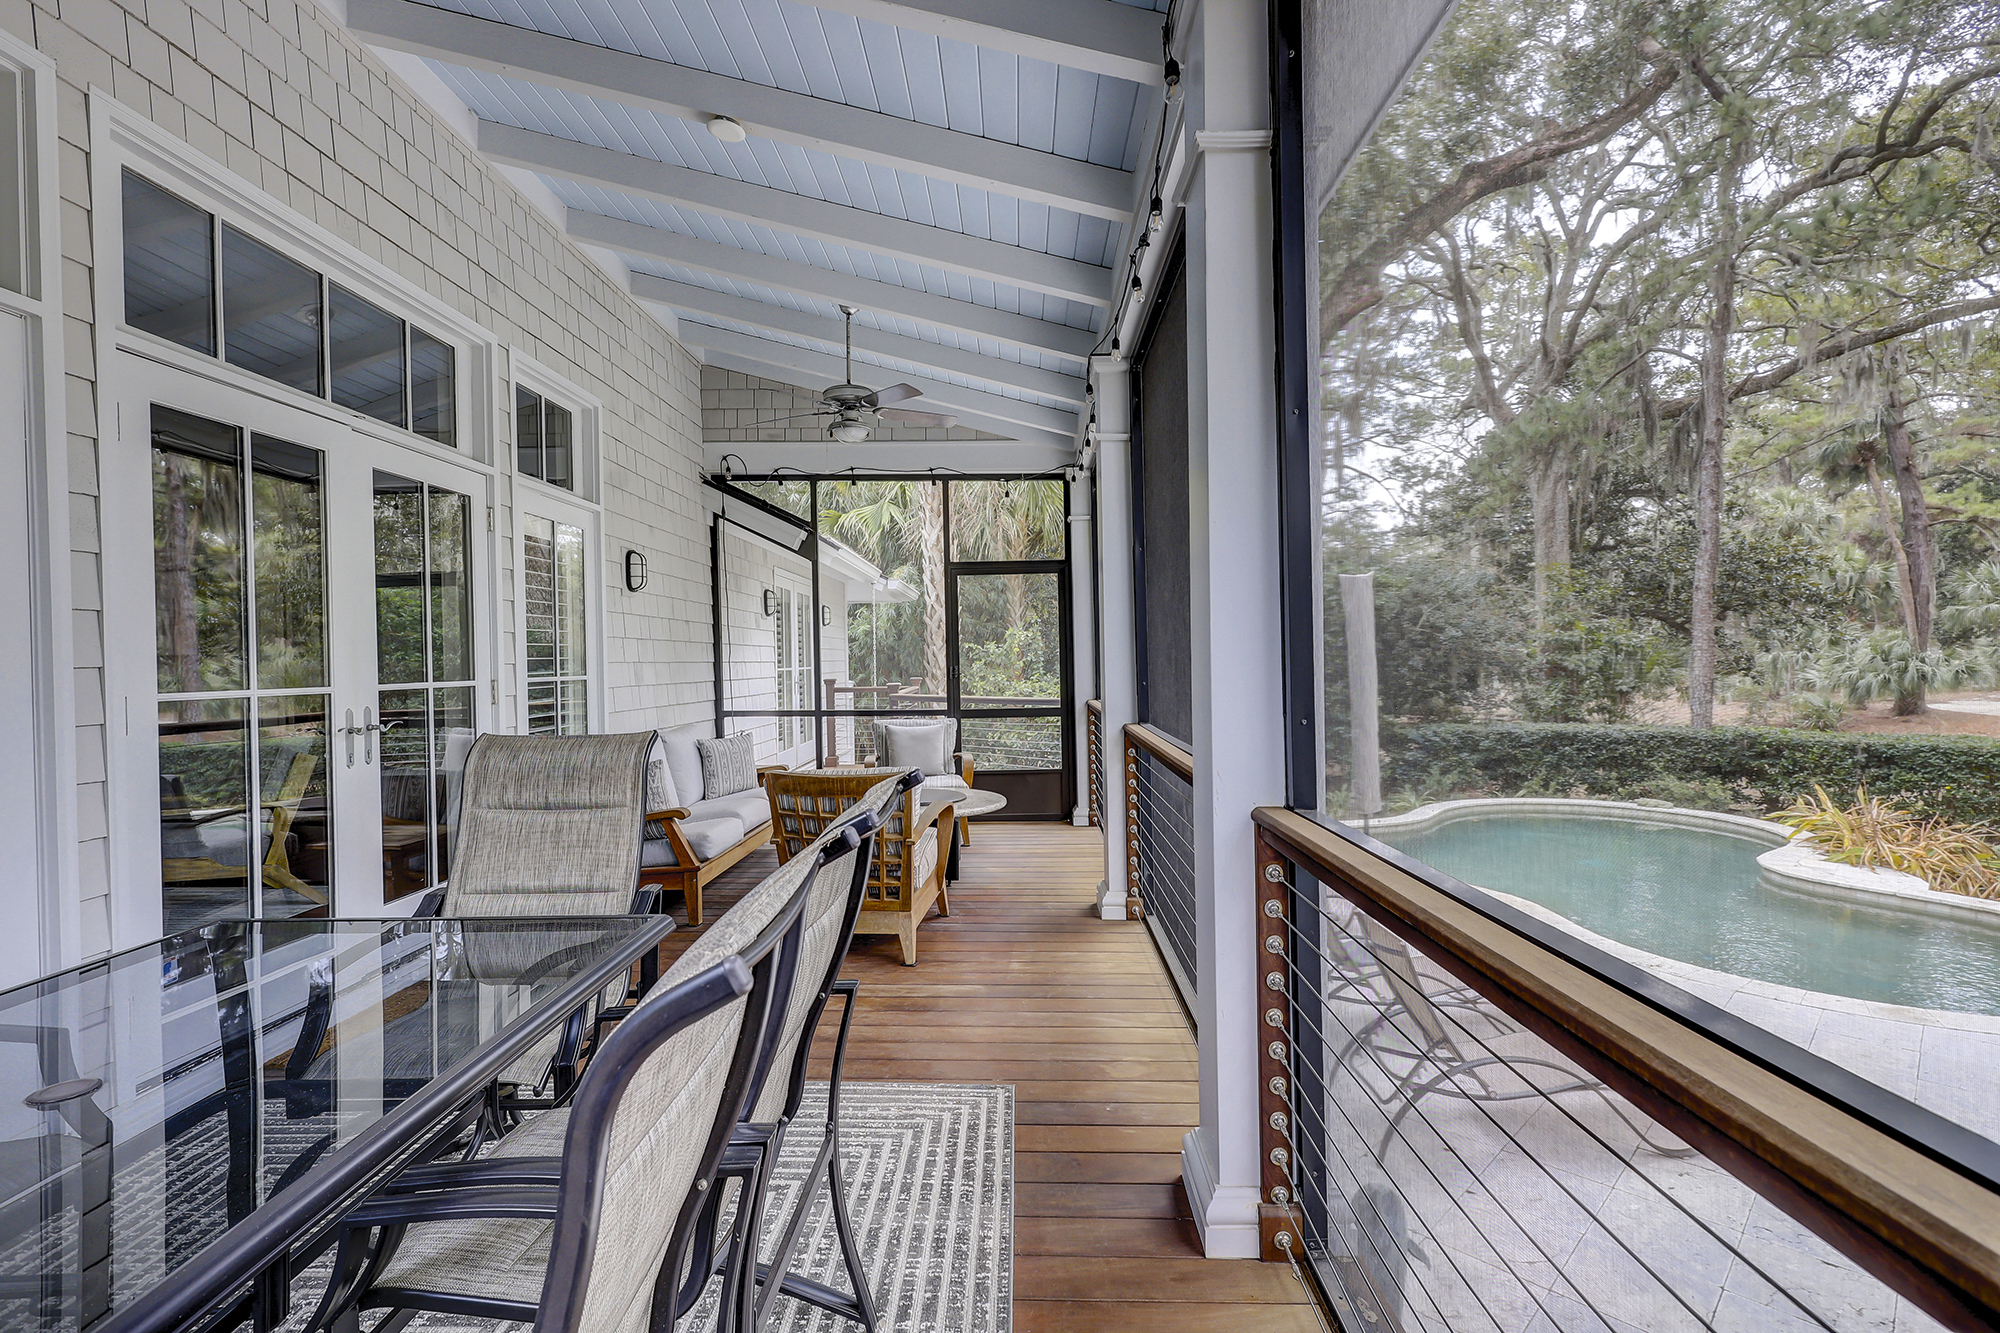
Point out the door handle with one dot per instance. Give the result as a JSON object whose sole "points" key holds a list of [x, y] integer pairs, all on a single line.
{"points": [[367, 729]]}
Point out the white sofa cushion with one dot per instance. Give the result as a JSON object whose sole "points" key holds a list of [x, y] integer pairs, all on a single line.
{"points": [[684, 759], [707, 839], [751, 807]]}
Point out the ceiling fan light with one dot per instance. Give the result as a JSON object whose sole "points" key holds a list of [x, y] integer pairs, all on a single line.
{"points": [[728, 129], [848, 432]]}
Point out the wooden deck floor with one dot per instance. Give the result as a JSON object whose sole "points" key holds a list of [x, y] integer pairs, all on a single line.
{"points": [[1024, 985]]}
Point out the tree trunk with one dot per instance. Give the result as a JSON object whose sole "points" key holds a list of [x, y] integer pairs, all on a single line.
{"points": [[1906, 601], [1917, 540], [1549, 501], [930, 525], [1714, 431]]}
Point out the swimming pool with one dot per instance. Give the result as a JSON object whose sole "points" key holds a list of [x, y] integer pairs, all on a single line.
{"points": [[1693, 894]]}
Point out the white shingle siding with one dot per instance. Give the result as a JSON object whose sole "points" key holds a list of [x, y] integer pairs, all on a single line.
{"points": [[279, 93]]}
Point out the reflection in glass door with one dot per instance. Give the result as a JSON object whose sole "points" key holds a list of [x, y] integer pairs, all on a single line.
{"points": [[424, 663], [240, 629]]}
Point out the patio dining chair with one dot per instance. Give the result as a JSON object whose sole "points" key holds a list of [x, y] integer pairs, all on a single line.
{"points": [[549, 826], [1415, 1041], [598, 1236], [828, 879], [838, 895]]}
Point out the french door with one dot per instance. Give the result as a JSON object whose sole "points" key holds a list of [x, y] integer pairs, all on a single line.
{"points": [[316, 599]]}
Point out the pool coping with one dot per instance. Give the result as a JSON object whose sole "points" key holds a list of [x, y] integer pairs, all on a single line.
{"points": [[1792, 863]]}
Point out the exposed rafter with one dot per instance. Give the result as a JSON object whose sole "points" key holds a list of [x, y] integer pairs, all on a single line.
{"points": [[633, 238], [996, 414], [802, 215], [683, 296], [771, 113], [1096, 35]]}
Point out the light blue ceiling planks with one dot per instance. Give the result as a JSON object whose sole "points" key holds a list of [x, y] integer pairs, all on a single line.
{"points": [[824, 54]]}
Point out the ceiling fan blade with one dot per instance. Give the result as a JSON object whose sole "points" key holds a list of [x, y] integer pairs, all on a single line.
{"points": [[796, 416], [895, 393], [908, 417]]}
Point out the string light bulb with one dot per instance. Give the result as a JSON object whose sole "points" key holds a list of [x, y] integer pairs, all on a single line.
{"points": [[1173, 75], [1157, 218]]}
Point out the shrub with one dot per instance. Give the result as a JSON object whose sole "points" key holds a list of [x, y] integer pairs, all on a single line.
{"points": [[1953, 858], [1817, 712], [1766, 768]]}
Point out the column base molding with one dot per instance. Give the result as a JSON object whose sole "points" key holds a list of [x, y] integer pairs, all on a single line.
{"points": [[1110, 906], [1226, 1214]]}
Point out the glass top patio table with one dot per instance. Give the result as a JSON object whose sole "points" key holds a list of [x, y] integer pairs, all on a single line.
{"points": [[182, 1123]]}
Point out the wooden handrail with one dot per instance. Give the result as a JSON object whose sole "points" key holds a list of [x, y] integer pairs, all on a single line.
{"points": [[1095, 705], [1927, 1227], [1166, 751]]}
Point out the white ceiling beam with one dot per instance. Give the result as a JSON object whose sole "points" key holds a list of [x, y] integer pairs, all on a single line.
{"points": [[685, 296], [770, 113], [995, 413], [826, 457], [1096, 35], [802, 215], [780, 274]]}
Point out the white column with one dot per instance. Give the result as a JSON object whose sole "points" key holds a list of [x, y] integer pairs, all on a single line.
{"points": [[1239, 720], [1083, 645], [1112, 378]]}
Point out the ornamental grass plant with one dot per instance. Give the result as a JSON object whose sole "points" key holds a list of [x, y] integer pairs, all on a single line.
{"points": [[1876, 833]]}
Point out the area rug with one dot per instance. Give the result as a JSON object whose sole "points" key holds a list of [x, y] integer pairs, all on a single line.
{"points": [[930, 1170]]}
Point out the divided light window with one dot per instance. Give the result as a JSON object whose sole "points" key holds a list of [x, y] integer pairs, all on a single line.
{"points": [[558, 683], [197, 283], [544, 432]]}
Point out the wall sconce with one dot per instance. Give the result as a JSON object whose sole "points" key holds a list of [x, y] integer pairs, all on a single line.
{"points": [[770, 602], [826, 615], [635, 570]]}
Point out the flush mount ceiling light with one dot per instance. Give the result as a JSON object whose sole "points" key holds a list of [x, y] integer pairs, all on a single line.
{"points": [[727, 129]]}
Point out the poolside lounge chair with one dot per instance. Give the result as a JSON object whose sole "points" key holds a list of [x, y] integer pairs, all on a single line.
{"points": [[1415, 1039]]}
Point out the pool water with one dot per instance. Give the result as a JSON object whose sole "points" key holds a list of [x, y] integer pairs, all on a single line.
{"points": [[1693, 895]]}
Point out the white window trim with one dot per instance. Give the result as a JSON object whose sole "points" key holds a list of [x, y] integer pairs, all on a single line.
{"points": [[52, 769], [587, 423], [121, 138], [534, 499]]}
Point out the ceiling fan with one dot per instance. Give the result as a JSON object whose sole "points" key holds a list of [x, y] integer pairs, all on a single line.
{"points": [[855, 408]]}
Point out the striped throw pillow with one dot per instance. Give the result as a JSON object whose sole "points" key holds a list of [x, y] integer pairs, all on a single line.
{"points": [[728, 765]]}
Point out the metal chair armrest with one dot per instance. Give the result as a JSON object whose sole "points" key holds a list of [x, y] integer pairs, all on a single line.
{"points": [[646, 900], [429, 905], [484, 1172], [455, 1206]]}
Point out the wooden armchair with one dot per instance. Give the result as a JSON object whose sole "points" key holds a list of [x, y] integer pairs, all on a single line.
{"points": [[906, 873]]}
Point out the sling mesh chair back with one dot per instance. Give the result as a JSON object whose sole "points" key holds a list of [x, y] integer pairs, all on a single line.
{"points": [[597, 1238], [548, 826]]}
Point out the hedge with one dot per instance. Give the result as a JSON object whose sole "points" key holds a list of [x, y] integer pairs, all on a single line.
{"points": [[1958, 776]]}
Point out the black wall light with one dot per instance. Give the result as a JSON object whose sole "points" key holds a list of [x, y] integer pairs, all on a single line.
{"points": [[825, 614], [770, 602], [635, 570]]}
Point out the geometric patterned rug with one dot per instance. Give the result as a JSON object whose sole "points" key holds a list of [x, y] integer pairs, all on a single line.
{"points": [[930, 1171]]}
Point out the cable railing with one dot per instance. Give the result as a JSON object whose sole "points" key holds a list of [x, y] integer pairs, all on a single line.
{"points": [[1159, 849], [1471, 1120], [1093, 738]]}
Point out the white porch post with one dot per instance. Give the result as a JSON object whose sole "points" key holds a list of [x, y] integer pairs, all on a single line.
{"points": [[1119, 691], [1239, 719], [1083, 645]]}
